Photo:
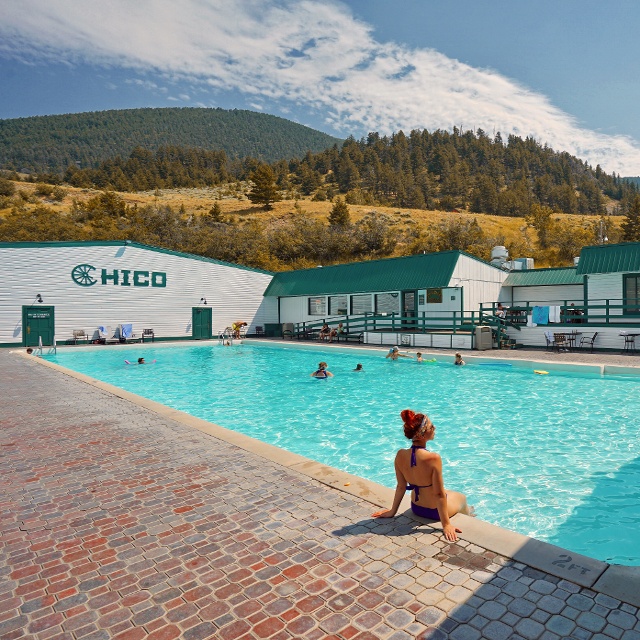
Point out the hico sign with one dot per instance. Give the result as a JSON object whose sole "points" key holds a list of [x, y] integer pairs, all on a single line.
{"points": [[87, 275]]}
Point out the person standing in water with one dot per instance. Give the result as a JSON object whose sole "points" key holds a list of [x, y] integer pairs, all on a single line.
{"points": [[322, 372]]}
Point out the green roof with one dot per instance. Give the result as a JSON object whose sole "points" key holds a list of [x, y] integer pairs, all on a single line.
{"points": [[422, 271], [543, 277], [610, 258], [123, 243]]}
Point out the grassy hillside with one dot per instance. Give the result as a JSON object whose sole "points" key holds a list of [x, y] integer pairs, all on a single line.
{"points": [[51, 143], [177, 219]]}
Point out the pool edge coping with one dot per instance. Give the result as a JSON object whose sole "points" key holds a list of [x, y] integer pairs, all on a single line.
{"points": [[618, 581]]}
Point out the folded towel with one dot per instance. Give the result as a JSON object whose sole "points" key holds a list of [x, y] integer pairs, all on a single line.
{"points": [[102, 330], [540, 315], [126, 330]]}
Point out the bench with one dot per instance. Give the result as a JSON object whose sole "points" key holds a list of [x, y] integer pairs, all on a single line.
{"points": [[353, 337]]}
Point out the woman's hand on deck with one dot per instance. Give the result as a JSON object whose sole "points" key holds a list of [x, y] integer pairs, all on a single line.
{"points": [[450, 532], [384, 513]]}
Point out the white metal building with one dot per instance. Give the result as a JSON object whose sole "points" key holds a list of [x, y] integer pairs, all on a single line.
{"points": [[52, 289]]}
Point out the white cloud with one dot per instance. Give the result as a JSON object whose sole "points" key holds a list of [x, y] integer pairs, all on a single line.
{"points": [[315, 55]]}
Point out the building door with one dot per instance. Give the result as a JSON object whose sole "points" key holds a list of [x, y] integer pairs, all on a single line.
{"points": [[38, 322], [409, 308], [201, 323]]}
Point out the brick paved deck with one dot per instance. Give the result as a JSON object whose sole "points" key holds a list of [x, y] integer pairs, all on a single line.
{"points": [[117, 522]]}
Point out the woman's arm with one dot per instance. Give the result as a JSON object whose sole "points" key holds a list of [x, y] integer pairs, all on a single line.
{"points": [[401, 489], [441, 501]]}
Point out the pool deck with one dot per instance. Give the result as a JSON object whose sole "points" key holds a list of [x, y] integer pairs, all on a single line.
{"points": [[122, 518]]}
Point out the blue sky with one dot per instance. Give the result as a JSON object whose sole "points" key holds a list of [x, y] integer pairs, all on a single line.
{"points": [[561, 71]]}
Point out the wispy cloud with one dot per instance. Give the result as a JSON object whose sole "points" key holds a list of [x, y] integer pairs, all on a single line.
{"points": [[304, 53]]}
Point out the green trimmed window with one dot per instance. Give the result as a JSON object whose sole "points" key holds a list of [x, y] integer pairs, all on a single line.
{"points": [[361, 304], [631, 294], [387, 303], [337, 305], [318, 306]]}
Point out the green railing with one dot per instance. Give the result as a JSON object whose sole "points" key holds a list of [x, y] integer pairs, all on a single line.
{"points": [[600, 313], [454, 321]]}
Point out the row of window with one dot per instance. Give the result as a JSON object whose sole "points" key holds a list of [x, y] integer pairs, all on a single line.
{"points": [[361, 303]]}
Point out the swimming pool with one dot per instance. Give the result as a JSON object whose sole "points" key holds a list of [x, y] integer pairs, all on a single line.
{"points": [[555, 457]]}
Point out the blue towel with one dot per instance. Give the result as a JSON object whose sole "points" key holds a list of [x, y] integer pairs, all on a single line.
{"points": [[540, 315], [126, 330]]}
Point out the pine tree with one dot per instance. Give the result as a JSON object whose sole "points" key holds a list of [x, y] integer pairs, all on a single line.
{"points": [[631, 224], [339, 216], [214, 215], [264, 189]]}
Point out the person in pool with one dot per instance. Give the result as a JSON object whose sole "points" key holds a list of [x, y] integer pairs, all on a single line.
{"points": [[322, 371], [420, 471], [419, 357], [394, 354], [459, 361], [358, 367]]}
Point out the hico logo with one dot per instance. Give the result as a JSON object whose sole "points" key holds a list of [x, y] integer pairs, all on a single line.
{"points": [[86, 275]]}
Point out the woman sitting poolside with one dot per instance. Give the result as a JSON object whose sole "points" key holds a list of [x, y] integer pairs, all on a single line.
{"points": [[420, 471]]}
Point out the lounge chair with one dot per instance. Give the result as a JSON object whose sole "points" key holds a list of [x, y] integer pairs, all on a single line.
{"points": [[126, 333], [148, 334], [111, 336]]}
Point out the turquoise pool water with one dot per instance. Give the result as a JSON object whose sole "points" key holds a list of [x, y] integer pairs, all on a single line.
{"points": [[555, 457]]}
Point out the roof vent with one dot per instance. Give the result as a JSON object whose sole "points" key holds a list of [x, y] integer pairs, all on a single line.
{"points": [[499, 255]]}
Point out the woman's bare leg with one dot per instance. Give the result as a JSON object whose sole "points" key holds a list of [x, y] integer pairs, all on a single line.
{"points": [[457, 503]]}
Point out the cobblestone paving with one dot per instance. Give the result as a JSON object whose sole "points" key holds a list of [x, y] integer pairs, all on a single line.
{"points": [[117, 523]]}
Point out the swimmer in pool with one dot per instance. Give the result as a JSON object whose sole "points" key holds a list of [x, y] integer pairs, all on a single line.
{"points": [[459, 361], [322, 372], [358, 367], [420, 471], [394, 354], [418, 357]]}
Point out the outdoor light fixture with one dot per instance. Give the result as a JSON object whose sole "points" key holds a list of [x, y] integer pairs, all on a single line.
{"points": [[38, 298], [203, 301]]}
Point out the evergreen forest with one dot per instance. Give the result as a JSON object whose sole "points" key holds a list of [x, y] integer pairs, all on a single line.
{"points": [[50, 144]]}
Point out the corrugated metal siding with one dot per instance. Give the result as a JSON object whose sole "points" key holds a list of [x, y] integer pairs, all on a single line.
{"points": [[233, 293], [432, 270], [480, 281], [607, 338], [543, 277], [603, 287], [609, 258], [546, 295]]}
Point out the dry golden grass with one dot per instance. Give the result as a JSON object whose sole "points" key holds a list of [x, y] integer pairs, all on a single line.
{"points": [[513, 232]]}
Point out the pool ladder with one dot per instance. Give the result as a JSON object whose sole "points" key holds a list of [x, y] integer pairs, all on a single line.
{"points": [[226, 336]]}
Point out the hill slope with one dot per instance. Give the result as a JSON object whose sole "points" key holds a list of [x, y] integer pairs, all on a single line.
{"points": [[52, 143]]}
